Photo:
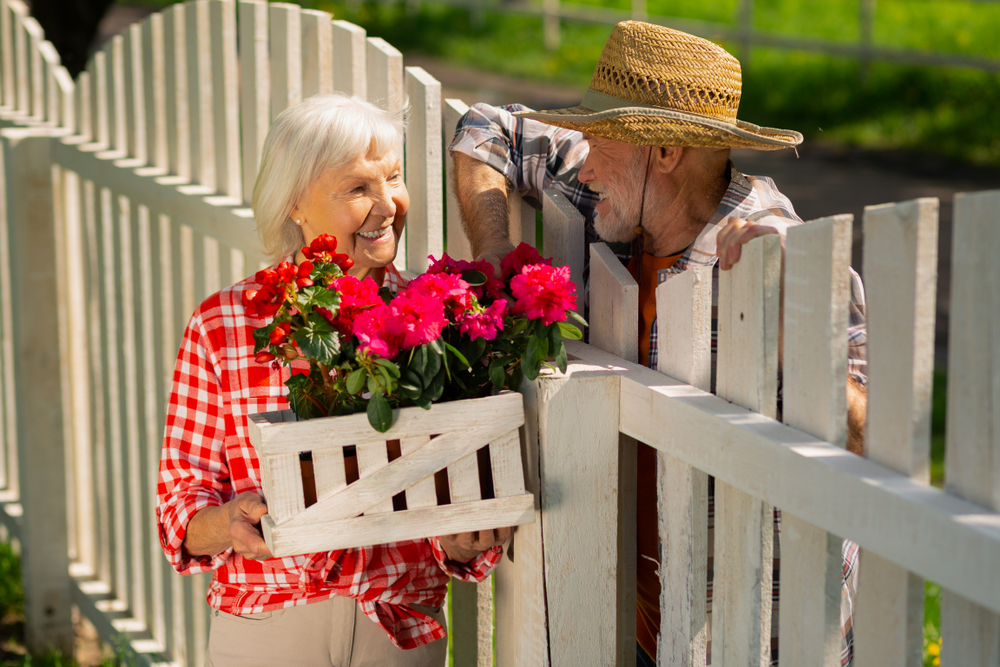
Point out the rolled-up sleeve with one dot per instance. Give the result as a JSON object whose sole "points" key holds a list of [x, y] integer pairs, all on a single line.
{"points": [[476, 569], [193, 471]]}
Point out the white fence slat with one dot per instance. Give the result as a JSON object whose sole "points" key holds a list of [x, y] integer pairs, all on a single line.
{"points": [[317, 53], [83, 106], [384, 84], [578, 442], [226, 105], [457, 243], [51, 98], [684, 352], [286, 56], [255, 88], [66, 90], [201, 94], [519, 602], [349, 71], [747, 376], [972, 465], [99, 100], [901, 277], [425, 220], [135, 95], [522, 222], [614, 297], [154, 93], [817, 284], [117, 108], [372, 457], [22, 71], [8, 78], [563, 237], [178, 114], [484, 624], [37, 84]]}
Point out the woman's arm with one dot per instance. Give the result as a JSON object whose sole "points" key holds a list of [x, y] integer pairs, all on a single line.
{"points": [[213, 530]]}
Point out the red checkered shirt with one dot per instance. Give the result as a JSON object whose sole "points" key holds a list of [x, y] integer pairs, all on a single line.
{"points": [[207, 459]]}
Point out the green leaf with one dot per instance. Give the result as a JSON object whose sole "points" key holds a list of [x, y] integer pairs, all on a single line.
{"points": [[423, 401], [298, 388], [379, 413], [418, 361], [372, 385], [570, 332], [578, 317], [538, 349], [433, 362], [318, 340], [318, 296], [392, 368], [458, 355], [355, 381], [497, 375], [560, 357], [436, 387], [409, 391], [474, 278], [262, 338], [414, 379], [436, 346]]}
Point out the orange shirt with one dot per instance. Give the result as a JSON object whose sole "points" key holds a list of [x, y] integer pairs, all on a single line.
{"points": [[647, 531]]}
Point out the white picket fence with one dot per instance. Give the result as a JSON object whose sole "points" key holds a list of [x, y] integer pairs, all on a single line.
{"points": [[124, 204]]}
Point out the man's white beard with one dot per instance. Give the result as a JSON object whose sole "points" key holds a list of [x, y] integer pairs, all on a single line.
{"points": [[619, 224]]}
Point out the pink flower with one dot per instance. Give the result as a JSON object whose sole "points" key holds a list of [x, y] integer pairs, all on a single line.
{"points": [[414, 317], [484, 324], [449, 289], [369, 327], [356, 296], [523, 255], [543, 292], [446, 264]]}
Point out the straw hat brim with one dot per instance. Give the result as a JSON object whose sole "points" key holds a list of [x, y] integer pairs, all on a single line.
{"points": [[651, 126]]}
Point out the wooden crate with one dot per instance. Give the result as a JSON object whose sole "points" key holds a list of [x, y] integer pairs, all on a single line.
{"points": [[436, 478]]}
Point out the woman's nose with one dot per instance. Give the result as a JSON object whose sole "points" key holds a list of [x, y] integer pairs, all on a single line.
{"points": [[384, 205]]}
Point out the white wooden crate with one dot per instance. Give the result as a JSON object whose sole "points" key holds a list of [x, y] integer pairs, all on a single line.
{"points": [[354, 505]]}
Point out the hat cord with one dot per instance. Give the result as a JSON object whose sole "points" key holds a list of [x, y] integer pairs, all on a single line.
{"points": [[639, 242]]}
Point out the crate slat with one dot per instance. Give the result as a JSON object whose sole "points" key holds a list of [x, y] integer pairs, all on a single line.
{"points": [[328, 469], [422, 493], [373, 457], [463, 479], [505, 458]]}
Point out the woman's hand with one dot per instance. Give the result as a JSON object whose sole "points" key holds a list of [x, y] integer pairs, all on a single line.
{"points": [[212, 530], [463, 547]]}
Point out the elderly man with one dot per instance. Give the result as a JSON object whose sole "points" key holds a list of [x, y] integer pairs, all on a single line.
{"points": [[645, 158]]}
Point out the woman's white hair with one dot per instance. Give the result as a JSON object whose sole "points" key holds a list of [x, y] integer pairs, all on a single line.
{"points": [[305, 141]]}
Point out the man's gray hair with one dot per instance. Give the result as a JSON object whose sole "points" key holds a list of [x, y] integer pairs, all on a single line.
{"points": [[306, 140]]}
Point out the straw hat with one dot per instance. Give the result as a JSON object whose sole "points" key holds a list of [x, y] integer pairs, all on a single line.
{"points": [[655, 86]]}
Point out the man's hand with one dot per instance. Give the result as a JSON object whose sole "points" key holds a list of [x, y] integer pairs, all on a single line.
{"points": [[463, 547], [212, 530], [495, 253], [729, 242]]}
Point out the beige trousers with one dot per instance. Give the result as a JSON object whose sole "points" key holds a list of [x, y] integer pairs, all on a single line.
{"points": [[332, 633]]}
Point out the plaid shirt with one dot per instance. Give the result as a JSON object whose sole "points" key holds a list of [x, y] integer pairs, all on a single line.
{"points": [[534, 156], [207, 459]]}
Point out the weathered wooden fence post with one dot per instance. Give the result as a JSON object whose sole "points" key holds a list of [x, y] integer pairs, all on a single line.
{"points": [[38, 372]]}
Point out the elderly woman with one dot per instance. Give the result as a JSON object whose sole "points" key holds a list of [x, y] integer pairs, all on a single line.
{"points": [[329, 166]]}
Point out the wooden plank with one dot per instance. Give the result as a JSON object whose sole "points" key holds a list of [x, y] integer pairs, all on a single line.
{"points": [[8, 79], [484, 623], [117, 105], [502, 412], [626, 570], [99, 100], [614, 297], [578, 442], [563, 237], [317, 53], [66, 90], [36, 94], [396, 526], [519, 602], [51, 94], [155, 93], [384, 84], [176, 70], [425, 220], [817, 284], [82, 103], [328, 470], [972, 464], [255, 88], [282, 474], [463, 479], [685, 352], [286, 56], [505, 461], [523, 228], [201, 94], [421, 493], [373, 457], [379, 481], [456, 243], [135, 97], [22, 66], [26, 168], [226, 105], [901, 277], [744, 533], [349, 70], [747, 450]]}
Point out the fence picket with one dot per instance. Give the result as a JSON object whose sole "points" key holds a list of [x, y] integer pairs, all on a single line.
{"points": [[115, 91], [425, 220], [36, 94], [255, 88], [101, 133], [176, 77], [563, 237], [349, 70], [286, 56], [747, 376], [317, 53], [226, 109], [22, 72], [83, 107], [154, 93], [135, 97], [8, 88], [971, 634], [614, 294], [522, 224], [51, 96], [684, 346], [815, 375], [201, 94], [456, 243]]}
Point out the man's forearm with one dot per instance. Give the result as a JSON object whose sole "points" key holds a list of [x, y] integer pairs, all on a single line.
{"points": [[857, 411], [482, 197]]}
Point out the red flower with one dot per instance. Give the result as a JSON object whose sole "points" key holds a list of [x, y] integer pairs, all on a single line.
{"points": [[514, 261], [356, 296], [280, 333], [446, 264], [483, 324], [323, 249], [542, 292], [263, 303]]}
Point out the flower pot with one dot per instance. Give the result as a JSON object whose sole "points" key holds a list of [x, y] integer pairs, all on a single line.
{"points": [[454, 468]]}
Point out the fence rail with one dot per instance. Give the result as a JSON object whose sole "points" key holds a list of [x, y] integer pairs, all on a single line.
{"points": [[125, 203]]}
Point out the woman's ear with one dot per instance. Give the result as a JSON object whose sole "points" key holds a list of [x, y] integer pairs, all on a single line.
{"points": [[666, 158]]}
